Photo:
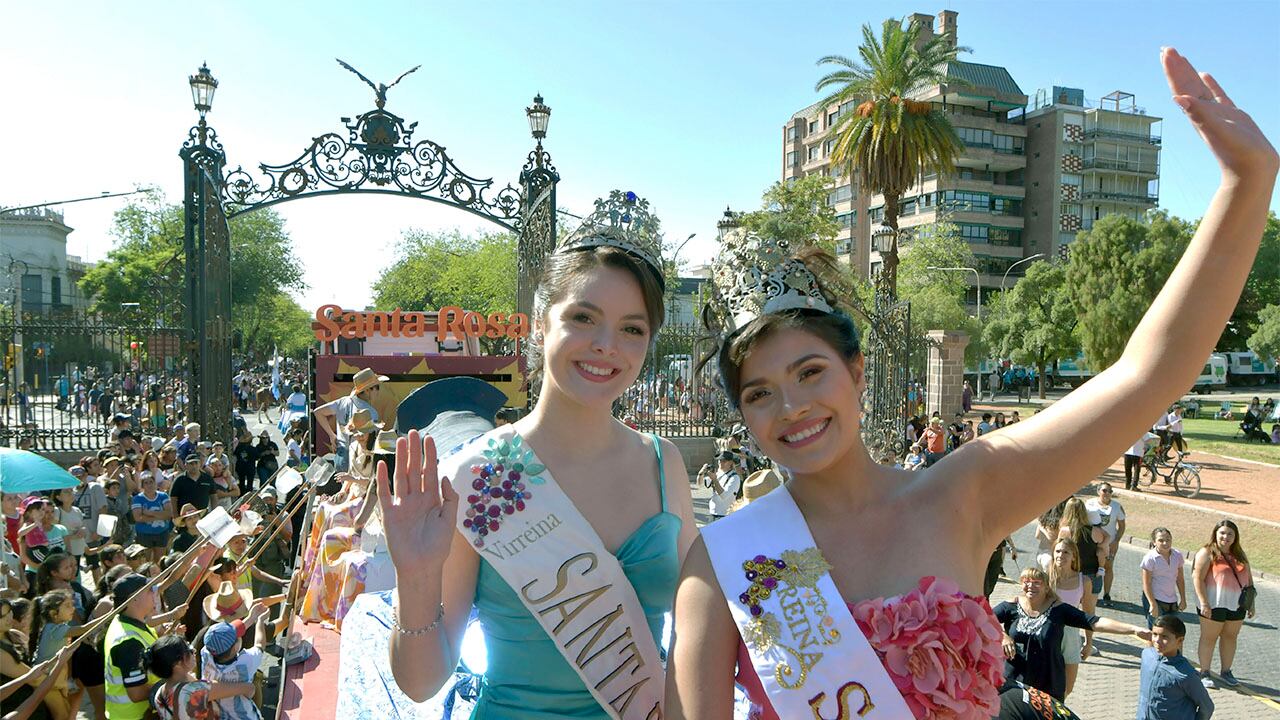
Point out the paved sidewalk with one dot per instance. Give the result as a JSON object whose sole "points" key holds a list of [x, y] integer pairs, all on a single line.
{"points": [[1107, 687]]}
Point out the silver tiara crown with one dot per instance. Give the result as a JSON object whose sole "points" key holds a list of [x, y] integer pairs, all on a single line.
{"points": [[755, 276], [621, 220]]}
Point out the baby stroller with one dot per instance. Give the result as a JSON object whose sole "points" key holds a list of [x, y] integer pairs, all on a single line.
{"points": [[1251, 426]]}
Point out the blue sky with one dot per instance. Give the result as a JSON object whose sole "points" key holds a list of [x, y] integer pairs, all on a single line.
{"points": [[682, 102]]}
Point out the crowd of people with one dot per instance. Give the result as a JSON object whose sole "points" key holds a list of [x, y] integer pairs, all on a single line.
{"points": [[111, 592]]}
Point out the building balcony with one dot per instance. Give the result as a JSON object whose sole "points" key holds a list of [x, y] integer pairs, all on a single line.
{"points": [[973, 215], [1100, 133], [1129, 166], [1124, 198]]}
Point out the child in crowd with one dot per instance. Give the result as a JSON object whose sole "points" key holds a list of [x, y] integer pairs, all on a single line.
{"points": [[1169, 686], [224, 661], [180, 695], [915, 458], [52, 629]]}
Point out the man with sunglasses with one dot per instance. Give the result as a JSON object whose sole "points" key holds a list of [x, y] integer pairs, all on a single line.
{"points": [[1108, 514]]}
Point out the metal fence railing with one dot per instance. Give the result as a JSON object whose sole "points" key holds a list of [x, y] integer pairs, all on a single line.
{"points": [[672, 397]]}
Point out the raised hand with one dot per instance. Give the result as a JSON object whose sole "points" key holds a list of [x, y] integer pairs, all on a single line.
{"points": [[1235, 140], [419, 517]]}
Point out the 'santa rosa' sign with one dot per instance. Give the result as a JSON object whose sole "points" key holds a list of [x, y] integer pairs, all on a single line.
{"points": [[332, 323]]}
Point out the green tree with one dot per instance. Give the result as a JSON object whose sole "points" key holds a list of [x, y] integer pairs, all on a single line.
{"points": [[937, 296], [885, 140], [146, 267], [1034, 322], [797, 211], [276, 323], [1115, 271], [435, 269], [1261, 289], [1265, 341]]}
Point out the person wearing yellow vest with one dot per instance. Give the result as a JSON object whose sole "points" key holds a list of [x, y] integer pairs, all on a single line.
{"points": [[128, 684], [237, 547]]}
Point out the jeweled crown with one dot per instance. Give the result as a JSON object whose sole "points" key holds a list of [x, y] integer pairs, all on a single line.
{"points": [[621, 220], [755, 276]]}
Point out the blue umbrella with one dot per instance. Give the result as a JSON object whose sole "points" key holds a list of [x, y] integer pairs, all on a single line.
{"points": [[22, 471]]}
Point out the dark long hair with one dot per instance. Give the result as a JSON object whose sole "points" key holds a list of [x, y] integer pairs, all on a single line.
{"points": [[45, 605], [44, 574]]}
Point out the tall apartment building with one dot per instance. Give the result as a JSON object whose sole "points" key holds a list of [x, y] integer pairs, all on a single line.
{"points": [[1086, 160], [983, 197]]}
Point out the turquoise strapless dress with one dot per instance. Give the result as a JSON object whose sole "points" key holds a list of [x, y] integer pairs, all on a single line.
{"points": [[527, 678]]}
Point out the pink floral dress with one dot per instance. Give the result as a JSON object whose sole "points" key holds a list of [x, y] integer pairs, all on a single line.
{"points": [[940, 646]]}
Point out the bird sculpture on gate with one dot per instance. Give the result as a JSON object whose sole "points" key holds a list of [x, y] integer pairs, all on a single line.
{"points": [[380, 90]]}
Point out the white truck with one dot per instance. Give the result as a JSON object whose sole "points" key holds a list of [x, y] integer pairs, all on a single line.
{"points": [[1246, 368], [1075, 372]]}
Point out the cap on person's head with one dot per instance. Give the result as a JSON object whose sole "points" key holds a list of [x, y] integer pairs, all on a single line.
{"points": [[725, 455], [270, 492], [193, 426], [134, 551], [76, 470], [126, 587], [265, 433], [192, 458], [33, 500], [120, 417], [221, 637], [204, 445], [126, 433]]}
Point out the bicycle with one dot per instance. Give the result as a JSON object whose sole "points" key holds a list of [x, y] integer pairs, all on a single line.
{"points": [[1184, 476]]}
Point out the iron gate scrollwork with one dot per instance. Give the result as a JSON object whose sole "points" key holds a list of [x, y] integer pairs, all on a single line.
{"points": [[887, 355]]}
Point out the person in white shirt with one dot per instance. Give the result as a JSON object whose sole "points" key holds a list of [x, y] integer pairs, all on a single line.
{"points": [[1107, 514], [1164, 587], [724, 484], [1133, 463], [1172, 426]]}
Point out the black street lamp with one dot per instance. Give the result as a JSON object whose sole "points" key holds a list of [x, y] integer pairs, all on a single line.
{"points": [[539, 116], [203, 86]]}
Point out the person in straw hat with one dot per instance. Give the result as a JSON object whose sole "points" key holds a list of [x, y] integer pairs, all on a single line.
{"points": [[228, 603], [758, 484], [334, 416]]}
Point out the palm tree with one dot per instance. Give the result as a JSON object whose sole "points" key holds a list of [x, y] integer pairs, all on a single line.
{"points": [[888, 140]]}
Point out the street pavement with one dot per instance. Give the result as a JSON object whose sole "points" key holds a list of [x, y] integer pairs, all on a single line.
{"points": [[1107, 687]]}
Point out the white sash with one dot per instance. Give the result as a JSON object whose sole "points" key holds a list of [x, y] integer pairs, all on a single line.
{"points": [[551, 556], [812, 659]]}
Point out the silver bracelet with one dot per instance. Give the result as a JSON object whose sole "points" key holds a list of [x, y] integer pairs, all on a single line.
{"points": [[395, 623]]}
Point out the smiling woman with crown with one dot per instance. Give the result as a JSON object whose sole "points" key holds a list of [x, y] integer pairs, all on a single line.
{"points": [[572, 527], [853, 589]]}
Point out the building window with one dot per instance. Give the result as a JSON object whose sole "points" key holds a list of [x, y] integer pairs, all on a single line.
{"points": [[908, 207], [791, 133], [792, 157], [964, 200], [1007, 144], [965, 173], [1007, 237], [975, 137], [840, 194], [813, 126], [55, 290], [32, 295], [1006, 206], [876, 214], [815, 152], [832, 117], [973, 233]]}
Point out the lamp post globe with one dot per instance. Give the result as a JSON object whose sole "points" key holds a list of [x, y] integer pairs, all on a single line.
{"points": [[539, 117], [879, 234], [203, 86]]}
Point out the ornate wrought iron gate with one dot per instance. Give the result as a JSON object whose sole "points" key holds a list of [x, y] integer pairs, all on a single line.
{"points": [[887, 354], [375, 154]]}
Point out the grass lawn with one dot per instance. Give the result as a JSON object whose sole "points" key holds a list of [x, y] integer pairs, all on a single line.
{"points": [[1220, 437], [1191, 528], [1223, 437]]}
